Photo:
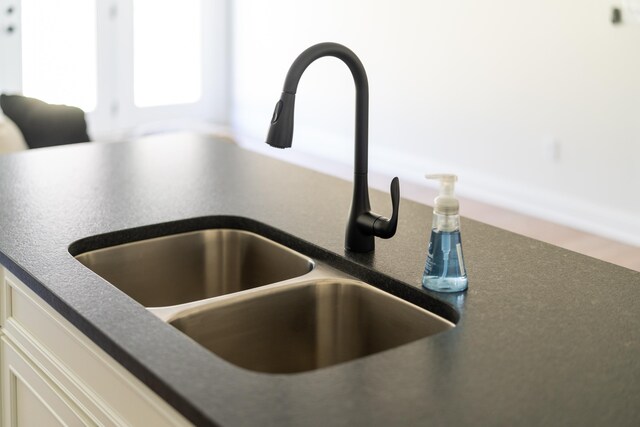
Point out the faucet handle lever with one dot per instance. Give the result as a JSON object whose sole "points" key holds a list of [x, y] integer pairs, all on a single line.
{"points": [[384, 227]]}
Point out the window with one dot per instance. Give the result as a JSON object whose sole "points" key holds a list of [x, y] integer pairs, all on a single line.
{"points": [[167, 52], [59, 52], [127, 63]]}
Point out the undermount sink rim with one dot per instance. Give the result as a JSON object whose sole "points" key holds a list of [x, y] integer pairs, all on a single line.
{"points": [[326, 262]]}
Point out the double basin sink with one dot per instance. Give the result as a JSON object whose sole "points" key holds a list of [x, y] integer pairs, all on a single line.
{"points": [[258, 304]]}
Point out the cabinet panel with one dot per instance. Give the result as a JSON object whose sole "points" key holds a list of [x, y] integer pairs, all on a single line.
{"points": [[103, 389], [3, 302], [30, 398], [30, 409]]}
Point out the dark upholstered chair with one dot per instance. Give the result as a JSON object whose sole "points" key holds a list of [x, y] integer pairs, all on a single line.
{"points": [[45, 125]]}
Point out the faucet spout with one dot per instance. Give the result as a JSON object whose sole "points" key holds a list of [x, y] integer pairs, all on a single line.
{"points": [[363, 224]]}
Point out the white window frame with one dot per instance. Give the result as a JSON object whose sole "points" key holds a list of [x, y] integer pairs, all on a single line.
{"points": [[10, 52], [116, 115]]}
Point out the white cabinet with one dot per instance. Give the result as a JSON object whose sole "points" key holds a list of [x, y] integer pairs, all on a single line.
{"points": [[51, 374], [30, 398]]}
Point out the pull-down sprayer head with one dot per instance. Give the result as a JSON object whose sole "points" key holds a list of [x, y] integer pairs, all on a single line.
{"points": [[281, 130]]}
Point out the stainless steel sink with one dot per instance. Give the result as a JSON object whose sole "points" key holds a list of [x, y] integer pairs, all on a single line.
{"points": [[257, 304], [181, 268], [305, 326]]}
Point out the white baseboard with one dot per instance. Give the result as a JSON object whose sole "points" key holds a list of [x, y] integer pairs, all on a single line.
{"points": [[563, 209]]}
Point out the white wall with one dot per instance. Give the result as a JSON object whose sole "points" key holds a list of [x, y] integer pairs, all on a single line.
{"points": [[534, 104]]}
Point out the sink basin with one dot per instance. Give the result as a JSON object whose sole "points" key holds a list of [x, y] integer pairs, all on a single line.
{"points": [[181, 268], [254, 302], [305, 326]]}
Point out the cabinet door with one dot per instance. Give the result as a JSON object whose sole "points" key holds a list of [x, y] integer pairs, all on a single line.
{"points": [[29, 398], [83, 372]]}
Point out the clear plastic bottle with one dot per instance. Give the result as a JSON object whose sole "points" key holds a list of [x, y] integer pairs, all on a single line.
{"points": [[444, 270]]}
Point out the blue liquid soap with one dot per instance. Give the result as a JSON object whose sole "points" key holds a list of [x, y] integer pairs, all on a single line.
{"points": [[444, 270]]}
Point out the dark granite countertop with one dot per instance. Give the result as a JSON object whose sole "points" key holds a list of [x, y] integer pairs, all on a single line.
{"points": [[544, 336]]}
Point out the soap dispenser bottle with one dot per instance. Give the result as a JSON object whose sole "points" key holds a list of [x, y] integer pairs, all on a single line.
{"points": [[444, 270]]}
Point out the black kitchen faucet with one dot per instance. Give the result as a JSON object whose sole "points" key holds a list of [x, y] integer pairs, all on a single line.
{"points": [[363, 224]]}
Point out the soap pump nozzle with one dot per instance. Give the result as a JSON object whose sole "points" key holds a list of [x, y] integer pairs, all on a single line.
{"points": [[445, 203]]}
